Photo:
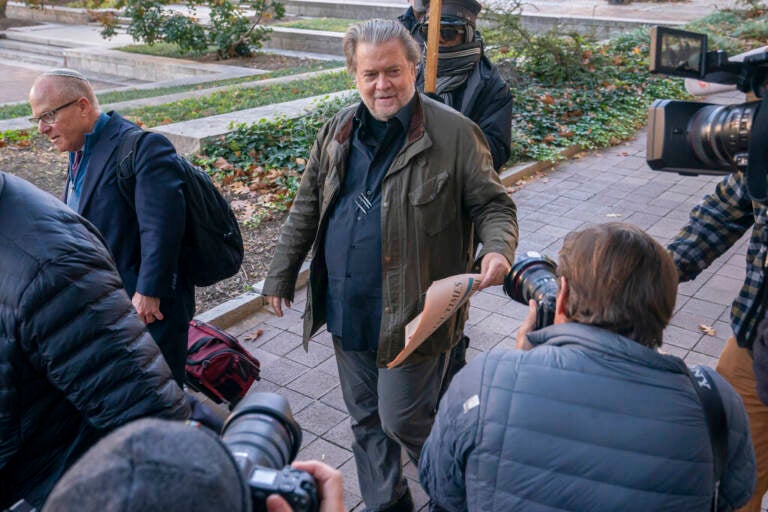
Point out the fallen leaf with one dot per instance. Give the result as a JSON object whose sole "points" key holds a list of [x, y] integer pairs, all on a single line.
{"points": [[547, 99], [706, 329], [238, 187], [254, 336], [222, 164]]}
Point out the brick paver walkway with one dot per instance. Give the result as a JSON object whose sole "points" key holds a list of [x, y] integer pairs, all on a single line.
{"points": [[614, 185]]}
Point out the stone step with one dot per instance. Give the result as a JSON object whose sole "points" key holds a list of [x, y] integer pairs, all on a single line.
{"points": [[40, 34], [345, 10], [299, 40], [147, 67], [601, 27], [31, 47], [187, 136], [53, 13], [23, 56]]}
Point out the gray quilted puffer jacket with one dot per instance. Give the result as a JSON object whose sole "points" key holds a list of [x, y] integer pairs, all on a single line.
{"points": [[586, 421]]}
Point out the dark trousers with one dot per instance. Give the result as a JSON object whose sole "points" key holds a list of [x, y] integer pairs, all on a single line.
{"points": [[389, 409], [172, 331]]}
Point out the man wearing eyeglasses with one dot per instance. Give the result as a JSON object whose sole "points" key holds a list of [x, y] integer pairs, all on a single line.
{"points": [[466, 80], [145, 242]]}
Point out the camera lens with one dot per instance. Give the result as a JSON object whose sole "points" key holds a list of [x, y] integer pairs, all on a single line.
{"points": [[261, 431], [533, 277], [719, 132]]}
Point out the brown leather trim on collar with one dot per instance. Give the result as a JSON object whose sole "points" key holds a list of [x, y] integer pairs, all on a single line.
{"points": [[416, 129], [345, 131]]}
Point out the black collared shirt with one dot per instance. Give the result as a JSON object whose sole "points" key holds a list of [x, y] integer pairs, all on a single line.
{"points": [[353, 237]]}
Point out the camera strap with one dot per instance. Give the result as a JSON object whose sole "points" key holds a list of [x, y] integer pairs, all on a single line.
{"points": [[757, 162], [717, 424]]}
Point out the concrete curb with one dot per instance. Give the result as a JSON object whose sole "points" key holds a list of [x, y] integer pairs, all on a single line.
{"points": [[238, 309], [55, 13], [188, 136]]}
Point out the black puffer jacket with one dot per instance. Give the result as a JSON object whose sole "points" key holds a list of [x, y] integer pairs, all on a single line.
{"points": [[75, 360], [486, 99]]}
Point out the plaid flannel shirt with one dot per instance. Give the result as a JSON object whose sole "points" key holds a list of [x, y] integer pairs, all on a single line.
{"points": [[715, 225]]}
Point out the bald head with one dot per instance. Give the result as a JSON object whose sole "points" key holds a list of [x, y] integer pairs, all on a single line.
{"points": [[64, 107], [65, 83]]}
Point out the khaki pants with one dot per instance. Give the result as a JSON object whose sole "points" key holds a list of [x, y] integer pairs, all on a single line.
{"points": [[736, 366]]}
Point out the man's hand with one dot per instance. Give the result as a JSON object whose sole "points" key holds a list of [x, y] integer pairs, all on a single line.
{"points": [[527, 326], [330, 488], [274, 302], [493, 269], [148, 308]]}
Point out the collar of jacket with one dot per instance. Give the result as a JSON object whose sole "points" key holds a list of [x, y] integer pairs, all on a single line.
{"points": [[415, 129], [607, 342]]}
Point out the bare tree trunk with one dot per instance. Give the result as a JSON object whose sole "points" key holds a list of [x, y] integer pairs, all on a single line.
{"points": [[3, 3]]}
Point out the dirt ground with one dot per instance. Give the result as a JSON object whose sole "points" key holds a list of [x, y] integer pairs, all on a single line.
{"points": [[46, 168]]}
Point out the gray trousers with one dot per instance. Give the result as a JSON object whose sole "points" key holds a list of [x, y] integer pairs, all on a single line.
{"points": [[389, 409]]}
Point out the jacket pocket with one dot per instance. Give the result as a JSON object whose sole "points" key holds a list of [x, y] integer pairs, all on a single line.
{"points": [[434, 204]]}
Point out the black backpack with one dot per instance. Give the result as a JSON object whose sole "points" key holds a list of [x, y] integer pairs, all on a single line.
{"points": [[212, 247]]}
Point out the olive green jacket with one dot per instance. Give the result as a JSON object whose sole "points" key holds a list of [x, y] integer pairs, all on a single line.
{"points": [[440, 184]]}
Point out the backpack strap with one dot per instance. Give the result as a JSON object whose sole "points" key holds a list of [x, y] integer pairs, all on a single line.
{"points": [[717, 424], [125, 167]]}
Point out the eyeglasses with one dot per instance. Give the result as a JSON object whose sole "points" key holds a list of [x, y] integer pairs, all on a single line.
{"points": [[50, 116], [447, 32]]}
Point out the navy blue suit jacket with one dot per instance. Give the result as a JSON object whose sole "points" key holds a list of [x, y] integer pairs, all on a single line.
{"points": [[145, 243]]}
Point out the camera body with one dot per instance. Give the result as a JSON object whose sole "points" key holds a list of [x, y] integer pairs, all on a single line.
{"points": [[533, 277], [296, 486], [263, 438], [694, 138]]}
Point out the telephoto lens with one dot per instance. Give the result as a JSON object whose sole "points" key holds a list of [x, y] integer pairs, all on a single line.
{"points": [[263, 437], [533, 277]]}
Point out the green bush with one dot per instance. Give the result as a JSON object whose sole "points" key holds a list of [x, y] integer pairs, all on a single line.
{"points": [[599, 97], [269, 155], [19, 138], [231, 30]]}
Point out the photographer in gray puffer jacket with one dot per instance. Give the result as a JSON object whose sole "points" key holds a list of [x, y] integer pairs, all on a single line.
{"points": [[589, 415]]}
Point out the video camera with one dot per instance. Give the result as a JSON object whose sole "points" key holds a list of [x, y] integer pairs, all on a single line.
{"points": [[263, 437], [693, 138]]}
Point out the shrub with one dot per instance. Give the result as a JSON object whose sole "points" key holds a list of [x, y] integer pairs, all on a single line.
{"points": [[231, 30], [268, 157]]}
